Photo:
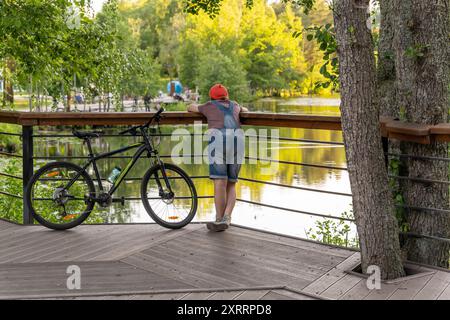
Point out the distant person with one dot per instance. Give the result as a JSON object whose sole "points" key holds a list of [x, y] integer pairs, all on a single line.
{"points": [[178, 98], [135, 104], [225, 161], [187, 93], [79, 98], [147, 101]]}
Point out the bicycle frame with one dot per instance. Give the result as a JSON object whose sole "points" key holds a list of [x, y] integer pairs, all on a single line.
{"points": [[142, 147]]}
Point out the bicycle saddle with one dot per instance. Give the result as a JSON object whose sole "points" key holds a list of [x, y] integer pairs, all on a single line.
{"points": [[86, 134]]}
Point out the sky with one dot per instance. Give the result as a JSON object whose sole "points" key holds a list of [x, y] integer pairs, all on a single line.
{"points": [[97, 4]]}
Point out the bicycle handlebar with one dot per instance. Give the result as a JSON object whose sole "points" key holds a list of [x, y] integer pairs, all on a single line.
{"points": [[132, 130]]}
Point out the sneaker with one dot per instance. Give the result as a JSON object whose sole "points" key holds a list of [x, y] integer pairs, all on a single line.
{"points": [[219, 225], [212, 226], [224, 224]]}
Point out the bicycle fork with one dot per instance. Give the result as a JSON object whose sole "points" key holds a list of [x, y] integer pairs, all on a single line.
{"points": [[163, 194]]}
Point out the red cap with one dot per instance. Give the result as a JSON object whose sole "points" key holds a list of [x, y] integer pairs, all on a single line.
{"points": [[218, 92]]}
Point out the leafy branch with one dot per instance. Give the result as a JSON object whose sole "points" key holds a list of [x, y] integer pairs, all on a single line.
{"points": [[325, 36]]}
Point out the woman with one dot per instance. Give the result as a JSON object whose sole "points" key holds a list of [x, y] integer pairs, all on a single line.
{"points": [[226, 149]]}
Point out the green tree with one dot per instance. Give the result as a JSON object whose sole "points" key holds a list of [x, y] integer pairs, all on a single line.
{"points": [[188, 56], [272, 58], [255, 37], [215, 67], [41, 38]]}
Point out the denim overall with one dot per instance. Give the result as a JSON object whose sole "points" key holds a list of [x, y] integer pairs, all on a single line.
{"points": [[226, 162]]}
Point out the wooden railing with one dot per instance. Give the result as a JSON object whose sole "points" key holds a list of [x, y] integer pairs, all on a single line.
{"points": [[390, 128]]}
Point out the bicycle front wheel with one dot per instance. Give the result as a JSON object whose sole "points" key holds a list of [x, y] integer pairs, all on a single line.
{"points": [[171, 202], [59, 195]]}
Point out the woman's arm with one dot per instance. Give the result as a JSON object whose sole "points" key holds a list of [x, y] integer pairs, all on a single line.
{"points": [[193, 108], [244, 109]]}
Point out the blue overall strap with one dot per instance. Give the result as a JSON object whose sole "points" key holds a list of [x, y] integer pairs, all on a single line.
{"points": [[222, 107], [228, 113]]}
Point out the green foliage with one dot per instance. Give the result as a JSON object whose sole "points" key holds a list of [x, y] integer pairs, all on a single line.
{"points": [[128, 47], [325, 36], [188, 57], [417, 51], [273, 59], [215, 67], [49, 43], [38, 33], [11, 207], [400, 212], [335, 232], [9, 143], [180, 106], [257, 39], [212, 7], [122, 67]]}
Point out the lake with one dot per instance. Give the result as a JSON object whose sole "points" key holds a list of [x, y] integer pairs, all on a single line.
{"points": [[250, 215]]}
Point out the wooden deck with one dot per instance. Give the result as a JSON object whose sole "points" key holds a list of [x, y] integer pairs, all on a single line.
{"points": [[150, 262]]}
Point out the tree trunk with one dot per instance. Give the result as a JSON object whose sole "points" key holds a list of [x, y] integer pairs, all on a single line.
{"points": [[372, 203], [386, 61], [422, 59], [8, 93], [69, 99], [387, 93]]}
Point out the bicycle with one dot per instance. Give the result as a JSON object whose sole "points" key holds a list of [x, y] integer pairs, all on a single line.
{"points": [[61, 195]]}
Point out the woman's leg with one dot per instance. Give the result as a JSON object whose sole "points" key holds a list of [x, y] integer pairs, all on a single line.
{"points": [[220, 197], [231, 197]]}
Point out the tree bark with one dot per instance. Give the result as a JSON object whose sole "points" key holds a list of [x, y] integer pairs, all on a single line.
{"points": [[8, 93], [422, 60], [372, 203], [386, 61], [387, 93]]}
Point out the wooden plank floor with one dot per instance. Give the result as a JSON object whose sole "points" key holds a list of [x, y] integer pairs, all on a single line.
{"points": [[429, 284], [150, 262], [251, 294]]}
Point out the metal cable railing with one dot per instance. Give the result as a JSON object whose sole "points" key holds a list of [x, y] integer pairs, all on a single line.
{"points": [[198, 134], [416, 235], [10, 176], [424, 209], [401, 155], [420, 180], [10, 195], [258, 159], [10, 134], [319, 166], [296, 211], [9, 154], [296, 187], [410, 208]]}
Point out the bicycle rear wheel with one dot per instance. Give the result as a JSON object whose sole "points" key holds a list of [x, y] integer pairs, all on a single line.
{"points": [[172, 206], [59, 195]]}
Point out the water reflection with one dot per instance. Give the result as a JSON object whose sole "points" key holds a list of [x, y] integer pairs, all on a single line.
{"points": [[245, 214], [311, 105]]}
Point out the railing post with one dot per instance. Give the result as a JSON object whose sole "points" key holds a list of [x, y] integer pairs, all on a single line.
{"points": [[27, 158]]}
